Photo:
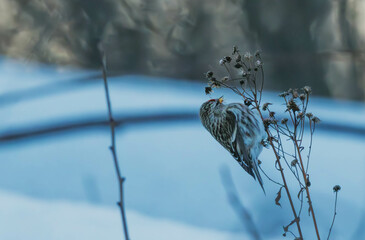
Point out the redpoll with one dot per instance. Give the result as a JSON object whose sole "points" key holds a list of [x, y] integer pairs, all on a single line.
{"points": [[237, 129]]}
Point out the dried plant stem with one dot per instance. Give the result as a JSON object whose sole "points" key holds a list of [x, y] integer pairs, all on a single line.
{"points": [[334, 216], [282, 173], [307, 189], [121, 179]]}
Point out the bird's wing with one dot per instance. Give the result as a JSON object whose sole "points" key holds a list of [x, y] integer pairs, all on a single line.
{"points": [[242, 138], [238, 148]]}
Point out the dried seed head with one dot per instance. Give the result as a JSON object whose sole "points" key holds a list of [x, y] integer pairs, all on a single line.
{"points": [[209, 74], [238, 65], [247, 102], [302, 97], [292, 106], [284, 121], [295, 93], [258, 63], [336, 188], [267, 123], [300, 115], [208, 90], [235, 50], [309, 115], [242, 82], [222, 62], [227, 59], [294, 162], [272, 114], [247, 56], [316, 119], [283, 94], [265, 106], [307, 90]]}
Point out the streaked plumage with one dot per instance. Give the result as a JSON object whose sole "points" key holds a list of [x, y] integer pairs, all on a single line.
{"points": [[237, 129]]}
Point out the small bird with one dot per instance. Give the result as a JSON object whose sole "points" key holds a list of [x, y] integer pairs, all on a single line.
{"points": [[237, 129]]}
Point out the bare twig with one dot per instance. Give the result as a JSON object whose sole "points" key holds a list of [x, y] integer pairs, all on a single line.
{"points": [[335, 189], [307, 190], [112, 147]]}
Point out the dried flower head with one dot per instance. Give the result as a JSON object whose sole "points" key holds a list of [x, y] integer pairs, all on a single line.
{"points": [[283, 94], [336, 188], [272, 114], [214, 83], [292, 105], [265, 106], [307, 90], [238, 65], [208, 90], [309, 115], [247, 102], [209, 74], [300, 115], [302, 97], [247, 56], [294, 162], [295, 93], [284, 121], [244, 73], [267, 123], [316, 119], [227, 59], [235, 50]]}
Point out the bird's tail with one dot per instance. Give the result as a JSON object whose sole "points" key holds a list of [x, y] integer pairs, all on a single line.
{"points": [[257, 173]]}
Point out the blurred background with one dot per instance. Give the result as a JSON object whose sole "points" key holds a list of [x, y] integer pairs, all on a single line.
{"points": [[56, 172]]}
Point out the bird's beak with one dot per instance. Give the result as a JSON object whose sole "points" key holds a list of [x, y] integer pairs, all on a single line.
{"points": [[220, 100]]}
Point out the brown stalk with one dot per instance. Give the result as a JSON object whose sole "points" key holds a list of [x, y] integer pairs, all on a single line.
{"points": [[302, 169], [306, 188], [282, 175], [296, 219]]}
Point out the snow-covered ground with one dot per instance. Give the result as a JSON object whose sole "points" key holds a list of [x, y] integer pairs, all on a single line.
{"points": [[64, 187], [27, 218]]}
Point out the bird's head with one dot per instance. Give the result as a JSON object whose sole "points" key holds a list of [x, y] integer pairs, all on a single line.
{"points": [[212, 105]]}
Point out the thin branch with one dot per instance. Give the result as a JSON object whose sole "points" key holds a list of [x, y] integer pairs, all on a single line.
{"points": [[281, 185], [307, 189], [334, 216], [113, 148], [281, 172]]}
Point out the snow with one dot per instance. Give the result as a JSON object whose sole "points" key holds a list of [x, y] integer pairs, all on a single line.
{"points": [[27, 218], [64, 186]]}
